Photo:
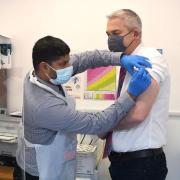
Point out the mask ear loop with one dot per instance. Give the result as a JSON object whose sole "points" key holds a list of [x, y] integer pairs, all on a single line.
{"points": [[47, 76], [127, 33], [52, 69], [131, 41]]}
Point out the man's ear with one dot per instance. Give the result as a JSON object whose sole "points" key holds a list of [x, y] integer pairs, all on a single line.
{"points": [[43, 67], [137, 34]]}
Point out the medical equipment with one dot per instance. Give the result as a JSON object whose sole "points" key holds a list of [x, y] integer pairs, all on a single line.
{"points": [[86, 159]]}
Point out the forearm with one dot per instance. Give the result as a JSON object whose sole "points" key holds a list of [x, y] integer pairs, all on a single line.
{"points": [[92, 59], [127, 123]]}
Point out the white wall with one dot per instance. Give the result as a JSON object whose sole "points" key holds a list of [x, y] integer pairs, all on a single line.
{"points": [[82, 25], [173, 148]]}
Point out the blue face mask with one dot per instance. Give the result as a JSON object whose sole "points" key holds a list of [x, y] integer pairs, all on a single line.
{"points": [[62, 75]]}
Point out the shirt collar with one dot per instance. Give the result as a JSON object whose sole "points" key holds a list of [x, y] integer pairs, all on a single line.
{"points": [[52, 86], [137, 49]]}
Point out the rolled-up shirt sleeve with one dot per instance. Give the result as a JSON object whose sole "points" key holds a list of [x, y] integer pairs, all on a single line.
{"points": [[159, 70]]}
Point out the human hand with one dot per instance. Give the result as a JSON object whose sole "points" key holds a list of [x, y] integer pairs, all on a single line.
{"points": [[131, 61], [140, 81]]}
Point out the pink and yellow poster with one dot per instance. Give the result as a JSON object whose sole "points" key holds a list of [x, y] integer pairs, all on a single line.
{"points": [[102, 79]]}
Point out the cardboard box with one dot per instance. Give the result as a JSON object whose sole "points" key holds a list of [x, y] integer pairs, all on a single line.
{"points": [[6, 173]]}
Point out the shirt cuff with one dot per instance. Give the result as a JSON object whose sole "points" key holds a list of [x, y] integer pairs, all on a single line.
{"points": [[154, 75], [116, 58]]}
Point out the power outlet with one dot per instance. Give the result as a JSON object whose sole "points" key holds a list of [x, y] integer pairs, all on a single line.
{"points": [[3, 111]]}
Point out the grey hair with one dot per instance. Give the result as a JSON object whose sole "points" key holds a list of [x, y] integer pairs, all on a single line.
{"points": [[131, 19]]}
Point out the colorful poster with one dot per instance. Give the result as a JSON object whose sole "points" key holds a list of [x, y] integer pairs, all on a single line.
{"points": [[101, 79], [101, 83]]}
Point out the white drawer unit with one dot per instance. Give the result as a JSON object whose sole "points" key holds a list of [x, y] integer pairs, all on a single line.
{"points": [[8, 135]]}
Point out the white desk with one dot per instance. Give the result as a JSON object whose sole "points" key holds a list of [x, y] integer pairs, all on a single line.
{"points": [[92, 105]]}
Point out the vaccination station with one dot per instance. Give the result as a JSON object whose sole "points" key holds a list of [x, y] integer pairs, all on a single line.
{"points": [[89, 90]]}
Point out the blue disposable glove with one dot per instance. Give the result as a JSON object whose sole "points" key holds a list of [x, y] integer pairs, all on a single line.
{"points": [[131, 61], [140, 81]]}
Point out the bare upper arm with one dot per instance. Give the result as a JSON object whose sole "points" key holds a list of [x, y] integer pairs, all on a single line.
{"points": [[141, 109], [145, 102]]}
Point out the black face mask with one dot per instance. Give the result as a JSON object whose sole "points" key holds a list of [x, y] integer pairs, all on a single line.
{"points": [[115, 43]]}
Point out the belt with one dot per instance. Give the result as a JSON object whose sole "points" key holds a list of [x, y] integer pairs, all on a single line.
{"points": [[120, 156]]}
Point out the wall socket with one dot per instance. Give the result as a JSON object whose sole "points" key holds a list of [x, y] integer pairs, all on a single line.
{"points": [[3, 111]]}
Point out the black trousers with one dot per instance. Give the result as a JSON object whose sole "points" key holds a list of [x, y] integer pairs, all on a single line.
{"points": [[19, 174], [149, 168]]}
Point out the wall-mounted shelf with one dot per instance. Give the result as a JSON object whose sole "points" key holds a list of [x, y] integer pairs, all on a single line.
{"points": [[5, 52], [4, 36]]}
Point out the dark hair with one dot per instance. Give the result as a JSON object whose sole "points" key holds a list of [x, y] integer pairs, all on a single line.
{"points": [[48, 49]]}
